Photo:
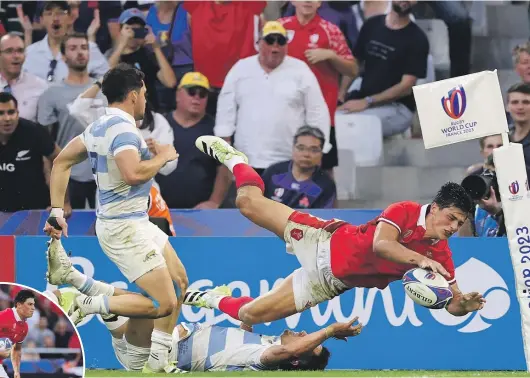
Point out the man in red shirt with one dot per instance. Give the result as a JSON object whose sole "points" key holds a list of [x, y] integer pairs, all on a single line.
{"points": [[336, 256], [222, 32], [323, 47], [14, 327]]}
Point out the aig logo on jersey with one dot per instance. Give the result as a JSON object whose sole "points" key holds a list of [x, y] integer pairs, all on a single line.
{"points": [[7, 167]]}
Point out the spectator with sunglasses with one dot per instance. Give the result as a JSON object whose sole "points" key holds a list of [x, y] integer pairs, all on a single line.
{"points": [[266, 98], [197, 182], [44, 58], [54, 113], [300, 183], [25, 86]]}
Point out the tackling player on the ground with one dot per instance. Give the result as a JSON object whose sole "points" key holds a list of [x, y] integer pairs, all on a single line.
{"points": [[13, 326], [203, 347], [124, 169], [336, 256]]}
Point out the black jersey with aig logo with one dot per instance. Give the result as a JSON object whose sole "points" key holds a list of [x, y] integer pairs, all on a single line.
{"points": [[22, 182]]}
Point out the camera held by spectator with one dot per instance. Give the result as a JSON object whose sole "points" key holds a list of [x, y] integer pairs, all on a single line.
{"points": [[483, 188]]}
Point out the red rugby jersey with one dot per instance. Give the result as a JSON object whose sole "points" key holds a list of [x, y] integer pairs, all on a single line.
{"points": [[221, 34], [12, 326], [322, 34], [354, 262]]}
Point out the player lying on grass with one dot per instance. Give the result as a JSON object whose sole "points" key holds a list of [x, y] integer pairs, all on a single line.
{"points": [[234, 348], [336, 256]]}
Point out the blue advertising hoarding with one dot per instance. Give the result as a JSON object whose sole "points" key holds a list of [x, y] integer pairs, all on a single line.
{"points": [[219, 222], [394, 330]]}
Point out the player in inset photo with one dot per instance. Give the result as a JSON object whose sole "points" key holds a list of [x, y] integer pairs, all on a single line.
{"points": [[36, 336]]}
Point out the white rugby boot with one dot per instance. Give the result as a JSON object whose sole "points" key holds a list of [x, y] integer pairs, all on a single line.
{"points": [[59, 264], [219, 149]]}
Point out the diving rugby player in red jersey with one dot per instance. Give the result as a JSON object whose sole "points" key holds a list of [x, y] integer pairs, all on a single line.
{"points": [[336, 256], [13, 326]]}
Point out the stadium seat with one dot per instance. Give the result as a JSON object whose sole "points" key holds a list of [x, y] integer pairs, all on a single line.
{"points": [[360, 144]]}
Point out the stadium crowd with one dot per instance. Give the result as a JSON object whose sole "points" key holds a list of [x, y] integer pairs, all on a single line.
{"points": [[267, 76], [47, 328]]}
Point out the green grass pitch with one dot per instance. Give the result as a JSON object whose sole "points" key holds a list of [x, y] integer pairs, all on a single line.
{"points": [[328, 373]]}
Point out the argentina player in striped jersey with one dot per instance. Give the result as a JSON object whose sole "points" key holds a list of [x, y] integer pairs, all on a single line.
{"points": [[202, 347], [123, 168]]}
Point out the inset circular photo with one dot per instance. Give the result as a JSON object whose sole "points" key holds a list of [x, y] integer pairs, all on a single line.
{"points": [[37, 339]]}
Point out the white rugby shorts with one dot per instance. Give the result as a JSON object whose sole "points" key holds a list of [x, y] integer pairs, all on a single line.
{"points": [[309, 238], [135, 245]]}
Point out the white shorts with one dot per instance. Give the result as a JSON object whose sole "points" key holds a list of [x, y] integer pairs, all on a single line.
{"points": [[130, 357], [309, 238], [135, 245], [3, 373]]}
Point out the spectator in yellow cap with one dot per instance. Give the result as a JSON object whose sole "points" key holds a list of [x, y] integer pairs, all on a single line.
{"points": [[195, 183], [273, 45]]}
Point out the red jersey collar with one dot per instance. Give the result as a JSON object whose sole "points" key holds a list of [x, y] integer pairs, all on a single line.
{"points": [[313, 21], [17, 316]]}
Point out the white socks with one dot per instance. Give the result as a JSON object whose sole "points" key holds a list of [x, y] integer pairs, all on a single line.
{"points": [[161, 343], [89, 286], [98, 304], [233, 161]]}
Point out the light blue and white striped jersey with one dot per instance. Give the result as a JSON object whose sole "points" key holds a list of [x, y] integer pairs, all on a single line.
{"points": [[214, 348], [112, 133]]}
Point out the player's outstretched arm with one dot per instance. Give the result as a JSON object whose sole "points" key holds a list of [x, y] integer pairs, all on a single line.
{"points": [[75, 152], [16, 357], [462, 304], [279, 353], [386, 245]]}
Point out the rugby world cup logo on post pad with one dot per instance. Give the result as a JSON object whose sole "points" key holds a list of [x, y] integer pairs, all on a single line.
{"points": [[454, 104], [514, 190]]}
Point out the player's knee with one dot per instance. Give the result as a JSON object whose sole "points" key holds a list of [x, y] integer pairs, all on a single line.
{"points": [[248, 316], [244, 203], [166, 308]]}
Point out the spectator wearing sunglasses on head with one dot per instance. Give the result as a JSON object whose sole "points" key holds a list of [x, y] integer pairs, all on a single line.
{"points": [[266, 98], [43, 58], [25, 86], [196, 182], [300, 183]]}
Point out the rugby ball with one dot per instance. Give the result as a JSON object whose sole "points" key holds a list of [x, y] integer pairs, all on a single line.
{"points": [[426, 288], [5, 344]]}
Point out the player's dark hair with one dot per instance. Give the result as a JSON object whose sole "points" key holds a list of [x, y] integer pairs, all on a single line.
{"points": [[452, 194], [314, 363], [23, 296], [6, 97], [72, 36], [121, 80]]}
